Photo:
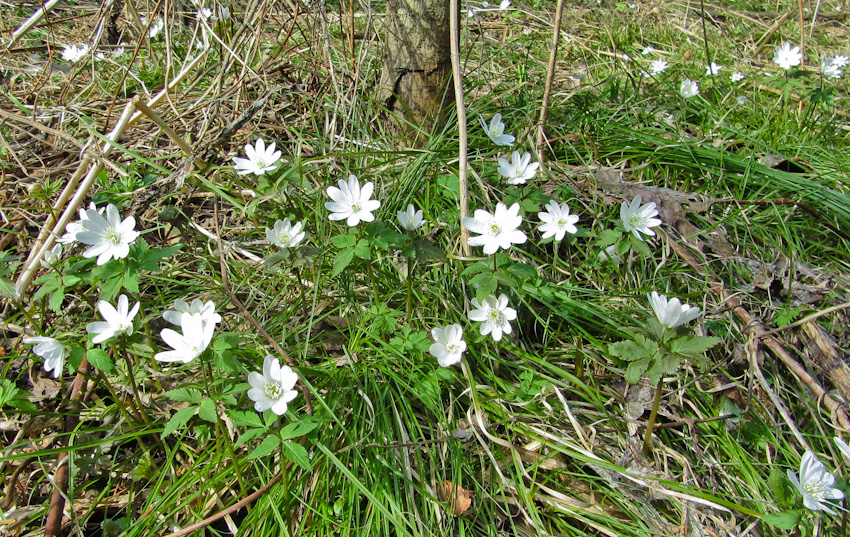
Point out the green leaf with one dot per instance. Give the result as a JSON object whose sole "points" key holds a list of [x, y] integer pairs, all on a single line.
{"points": [[207, 410], [667, 364], [341, 260], [56, 299], [296, 453], [631, 350], [786, 520], [131, 281], [344, 241], [297, 429], [389, 237], [693, 345], [144, 258], [425, 250], [75, 356], [50, 284], [487, 284], [190, 395], [639, 246], [178, 420], [522, 271], [244, 418], [249, 435], [608, 237], [362, 250], [109, 289], [635, 370], [100, 360], [268, 445], [478, 266]]}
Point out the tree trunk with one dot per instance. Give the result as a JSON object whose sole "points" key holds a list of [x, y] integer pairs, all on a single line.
{"points": [[416, 78]]}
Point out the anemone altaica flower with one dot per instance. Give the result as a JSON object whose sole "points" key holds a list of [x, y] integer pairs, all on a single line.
{"points": [[495, 130], [557, 221], [815, 484], [274, 388], [285, 234], [494, 315], [497, 230], [713, 69], [657, 67], [688, 88], [639, 219], [410, 219], [110, 237], [519, 170], [51, 350], [448, 346], [787, 56], [187, 346], [74, 53], [671, 313], [261, 159], [205, 309], [116, 320], [352, 203]]}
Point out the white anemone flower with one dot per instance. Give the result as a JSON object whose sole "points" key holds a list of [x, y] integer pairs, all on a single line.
{"points": [[688, 88], [115, 320], [841, 61], [448, 346], [411, 219], [51, 350], [351, 203], [713, 69], [73, 228], [187, 346], [504, 4], [261, 159], [557, 221], [205, 309], [285, 234], [519, 170], [497, 230], [157, 26], [52, 257], [75, 53], [496, 130], [494, 315], [671, 313], [657, 67], [787, 56], [815, 484], [737, 76], [609, 255], [829, 68], [108, 237], [274, 388], [639, 219]]}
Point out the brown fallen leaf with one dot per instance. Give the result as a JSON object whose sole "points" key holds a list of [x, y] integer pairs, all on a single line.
{"points": [[456, 496]]}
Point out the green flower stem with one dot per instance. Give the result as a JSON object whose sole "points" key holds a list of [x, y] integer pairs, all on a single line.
{"points": [[220, 429], [650, 424], [149, 334], [127, 416], [140, 409], [411, 268]]}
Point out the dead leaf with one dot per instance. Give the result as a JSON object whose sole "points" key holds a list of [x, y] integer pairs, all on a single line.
{"points": [[455, 495]]}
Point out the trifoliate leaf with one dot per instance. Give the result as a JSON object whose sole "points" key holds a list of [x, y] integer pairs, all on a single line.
{"points": [[296, 453], [344, 241], [189, 395], [178, 420], [631, 350], [268, 445]]}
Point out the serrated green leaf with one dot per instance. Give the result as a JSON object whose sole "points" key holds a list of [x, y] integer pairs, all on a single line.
{"points": [[786, 520], [341, 260], [131, 281], [608, 237], [425, 250], [207, 410], [75, 356], [178, 420], [296, 453], [640, 246], [244, 418], [522, 271], [50, 284], [110, 288], [363, 250], [190, 395], [635, 370], [268, 445], [344, 241], [631, 350], [478, 266], [693, 345], [57, 297], [297, 429], [249, 435], [100, 360], [667, 364]]}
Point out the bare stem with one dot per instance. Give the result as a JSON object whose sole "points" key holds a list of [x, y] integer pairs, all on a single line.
{"points": [[650, 424]]}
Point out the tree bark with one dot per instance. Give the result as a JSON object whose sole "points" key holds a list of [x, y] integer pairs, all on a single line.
{"points": [[416, 78]]}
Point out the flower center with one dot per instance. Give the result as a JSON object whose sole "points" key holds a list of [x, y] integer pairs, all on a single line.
{"points": [[112, 235], [495, 316], [495, 229], [451, 348], [562, 222], [355, 207], [497, 131], [284, 238], [636, 220], [273, 390]]}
